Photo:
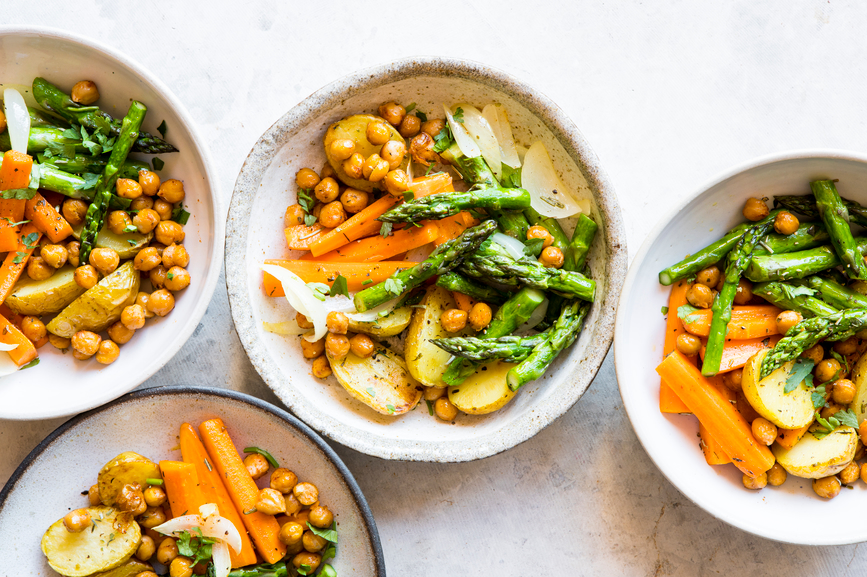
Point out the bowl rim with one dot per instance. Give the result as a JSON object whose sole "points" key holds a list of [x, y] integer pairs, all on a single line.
{"points": [[217, 224], [243, 398], [718, 511], [561, 126]]}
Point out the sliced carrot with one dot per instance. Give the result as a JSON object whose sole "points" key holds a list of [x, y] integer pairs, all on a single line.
{"points": [[264, 529], [453, 226], [362, 224], [358, 275], [376, 248], [717, 414], [25, 352], [15, 170], [193, 452], [713, 452], [788, 437], [431, 184], [300, 237], [182, 488], [736, 353], [13, 317], [11, 270], [465, 303], [43, 216], [668, 401], [748, 322]]}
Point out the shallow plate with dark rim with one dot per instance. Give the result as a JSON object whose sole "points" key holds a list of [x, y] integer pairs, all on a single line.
{"points": [[49, 481]]}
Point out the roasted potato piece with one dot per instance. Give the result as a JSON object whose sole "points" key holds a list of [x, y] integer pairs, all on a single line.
{"points": [[387, 326], [380, 382], [125, 245], [859, 377], [485, 391], [791, 410], [129, 569], [355, 128], [42, 297], [99, 306], [128, 467], [814, 458], [113, 540]]}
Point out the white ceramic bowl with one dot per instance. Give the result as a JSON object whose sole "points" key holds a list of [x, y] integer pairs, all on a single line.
{"points": [[59, 385], [49, 481], [266, 186], [792, 512]]}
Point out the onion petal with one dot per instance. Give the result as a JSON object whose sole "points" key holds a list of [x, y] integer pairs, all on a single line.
{"points": [[549, 196], [483, 134], [301, 298], [536, 317], [215, 527], [496, 116], [288, 328], [7, 365], [221, 559], [513, 245], [17, 119], [374, 313], [8, 347], [465, 142], [208, 509], [522, 152]]}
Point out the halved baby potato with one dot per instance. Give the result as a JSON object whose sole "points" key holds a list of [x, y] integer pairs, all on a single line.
{"points": [[355, 128], [859, 377], [791, 410], [485, 391], [813, 458], [128, 467], [387, 326], [125, 245], [48, 296], [381, 382]]}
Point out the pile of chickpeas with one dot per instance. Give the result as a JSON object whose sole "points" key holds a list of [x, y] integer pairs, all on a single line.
{"points": [[164, 260], [300, 503]]}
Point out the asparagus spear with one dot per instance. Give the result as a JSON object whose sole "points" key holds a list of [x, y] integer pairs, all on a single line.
{"points": [[92, 118], [834, 293], [493, 262], [508, 317], [796, 264], [438, 206], [43, 137], [736, 261], [446, 257], [786, 297], [576, 253], [512, 222], [836, 219], [472, 170], [278, 569], [39, 118], [808, 235], [96, 212], [455, 282], [94, 164], [71, 185], [563, 334], [838, 326], [510, 348], [806, 205], [561, 241]]}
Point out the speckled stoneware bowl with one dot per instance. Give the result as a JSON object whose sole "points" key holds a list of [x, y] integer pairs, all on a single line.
{"points": [[49, 481], [60, 385], [266, 186]]}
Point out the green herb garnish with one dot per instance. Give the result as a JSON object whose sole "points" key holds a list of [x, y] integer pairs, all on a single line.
{"points": [[271, 460]]}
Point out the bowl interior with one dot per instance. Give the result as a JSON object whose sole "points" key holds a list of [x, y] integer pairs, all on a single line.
{"points": [[65, 386], [792, 511], [148, 423], [267, 186]]}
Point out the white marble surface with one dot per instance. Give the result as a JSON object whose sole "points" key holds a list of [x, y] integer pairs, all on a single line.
{"points": [[668, 92]]}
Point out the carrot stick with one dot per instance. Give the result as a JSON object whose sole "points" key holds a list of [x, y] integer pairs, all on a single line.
{"points": [[15, 170], [377, 248], [11, 270], [46, 219], [668, 401], [194, 452], [788, 437], [453, 226], [737, 353], [182, 488], [362, 224], [25, 352], [464, 302], [717, 414], [748, 322], [432, 184], [300, 237], [357, 274], [713, 452], [264, 529]]}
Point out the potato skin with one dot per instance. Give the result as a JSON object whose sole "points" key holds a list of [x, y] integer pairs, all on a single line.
{"points": [[426, 361], [485, 391], [859, 377], [813, 458], [37, 298], [355, 128], [388, 326], [791, 410], [381, 381], [128, 467]]}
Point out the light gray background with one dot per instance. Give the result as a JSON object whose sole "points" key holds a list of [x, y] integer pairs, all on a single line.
{"points": [[667, 92]]}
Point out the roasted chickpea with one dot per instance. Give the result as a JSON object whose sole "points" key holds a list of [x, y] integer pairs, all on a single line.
{"points": [[86, 342], [181, 567], [846, 347], [433, 393], [149, 182], [393, 113], [688, 344], [332, 215], [312, 542], [337, 322], [152, 517], [786, 223], [552, 257], [827, 370], [93, 496], [830, 410], [157, 276], [133, 317], [755, 209], [33, 328], [85, 276], [396, 182], [77, 520], [815, 354], [38, 269], [374, 168], [421, 148], [342, 148], [306, 178], [744, 292], [105, 260], [146, 549], [119, 333], [321, 517], [377, 132], [850, 474], [155, 496], [131, 498], [74, 211], [302, 321], [699, 296], [409, 126], [321, 367], [327, 190], [291, 533], [362, 346], [354, 166], [327, 171], [293, 505], [433, 127], [393, 152], [73, 248], [294, 216], [177, 279], [454, 320], [709, 276], [282, 479], [163, 210], [788, 319], [167, 551], [59, 343], [146, 220], [537, 231], [733, 379], [146, 259], [161, 302], [172, 191], [445, 410], [54, 255], [755, 483], [306, 493], [141, 299], [128, 188], [168, 232], [827, 487], [843, 392], [270, 502], [480, 316], [175, 255], [257, 465], [354, 200], [764, 431], [312, 560], [85, 92], [337, 346], [117, 221], [777, 475], [312, 350]]}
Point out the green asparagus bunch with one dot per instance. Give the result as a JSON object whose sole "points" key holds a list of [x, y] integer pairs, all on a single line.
{"points": [[46, 137], [80, 164], [833, 293], [836, 218], [806, 205], [796, 264], [439, 206], [455, 282], [511, 348], [793, 298]]}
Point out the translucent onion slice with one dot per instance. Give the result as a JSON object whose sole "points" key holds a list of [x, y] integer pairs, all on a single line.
{"points": [[301, 298], [536, 317], [522, 152], [221, 559], [549, 196], [215, 527], [375, 313], [7, 365], [465, 142], [513, 245], [288, 328], [496, 116], [8, 347], [483, 134], [209, 509], [17, 119]]}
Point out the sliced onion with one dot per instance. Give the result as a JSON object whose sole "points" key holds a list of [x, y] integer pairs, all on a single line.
{"points": [[513, 245], [208, 509], [215, 527], [339, 304], [496, 116], [374, 313], [584, 204], [301, 298], [8, 347], [549, 196], [7, 365], [221, 559], [17, 119], [465, 142], [536, 317], [419, 253], [288, 328], [483, 134], [522, 152]]}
